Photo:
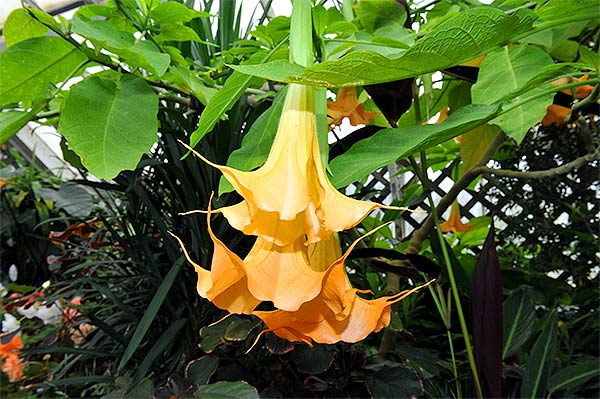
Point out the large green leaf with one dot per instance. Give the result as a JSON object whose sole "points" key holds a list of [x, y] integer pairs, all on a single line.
{"points": [[110, 123], [539, 365], [505, 71], [20, 25], [459, 39], [224, 99], [227, 390], [518, 319], [389, 145], [28, 67], [256, 143], [574, 376]]}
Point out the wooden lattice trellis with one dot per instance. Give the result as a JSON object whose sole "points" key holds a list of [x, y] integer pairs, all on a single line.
{"points": [[488, 196]]}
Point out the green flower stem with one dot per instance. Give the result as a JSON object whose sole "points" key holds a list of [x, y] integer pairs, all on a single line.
{"points": [[347, 10], [459, 310], [301, 43], [444, 310], [438, 296], [465, 333]]}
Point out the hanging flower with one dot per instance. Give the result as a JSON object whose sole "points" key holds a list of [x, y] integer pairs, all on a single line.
{"points": [[290, 196], [454, 223], [346, 105], [295, 262], [557, 114]]}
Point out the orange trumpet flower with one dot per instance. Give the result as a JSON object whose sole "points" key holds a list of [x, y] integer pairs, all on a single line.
{"points": [[346, 105], [290, 196], [295, 262]]}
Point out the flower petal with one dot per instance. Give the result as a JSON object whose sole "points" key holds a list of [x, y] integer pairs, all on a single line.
{"points": [[225, 284], [282, 274], [365, 317]]}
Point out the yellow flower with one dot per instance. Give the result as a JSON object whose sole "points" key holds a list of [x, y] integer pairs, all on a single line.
{"points": [[346, 105], [454, 223], [290, 196], [296, 262]]}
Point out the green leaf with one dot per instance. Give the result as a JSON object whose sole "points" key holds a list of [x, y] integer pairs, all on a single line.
{"points": [[238, 330], [69, 155], [539, 365], [176, 33], [574, 376], [374, 14], [227, 390], [102, 33], [393, 381], [325, 18], [145, 54], [460, 38], [11, 122], [257, 142], [145, 389], [505, 71], [185, 77], [518, 319], [389, 145], [172, 12], [44, 18], [72, 198], [278, 70], [224, 99], [589, 57], [546, 74], [150, 313], [20, 25], [141, 53], [28, 67], [110, 123], [212, 336], [558, 9], [312, 360], [199, 371]]}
